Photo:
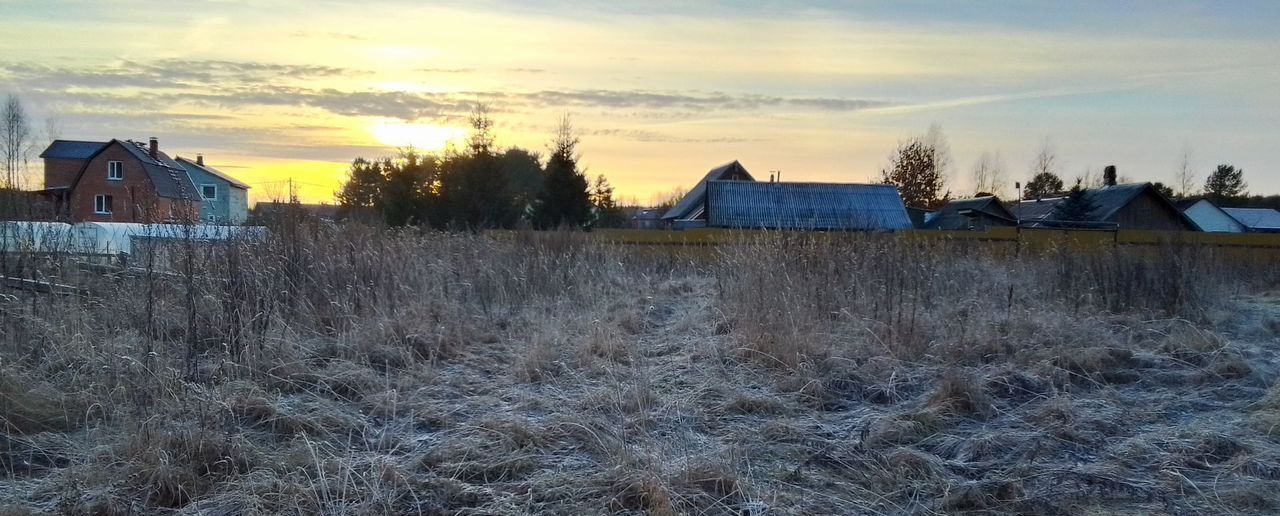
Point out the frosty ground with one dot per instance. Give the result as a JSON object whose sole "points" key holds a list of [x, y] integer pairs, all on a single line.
{"points": [[360, 370]]}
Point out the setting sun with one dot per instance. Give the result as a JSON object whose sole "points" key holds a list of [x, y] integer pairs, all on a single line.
{"points": [[428, 137]]}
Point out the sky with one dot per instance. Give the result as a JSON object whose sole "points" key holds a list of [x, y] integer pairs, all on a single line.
{"points": [[660, 91]]}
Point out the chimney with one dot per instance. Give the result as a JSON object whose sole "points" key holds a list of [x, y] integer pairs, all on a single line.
{"points": [[154, 148], [1109, 175], [200, 159]]}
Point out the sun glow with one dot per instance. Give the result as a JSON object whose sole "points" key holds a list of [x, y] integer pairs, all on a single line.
{"points": [[427, 137]]}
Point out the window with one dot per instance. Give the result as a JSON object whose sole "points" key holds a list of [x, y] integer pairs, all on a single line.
{"points": [[115, 170], [209, 192], [102, 204]]}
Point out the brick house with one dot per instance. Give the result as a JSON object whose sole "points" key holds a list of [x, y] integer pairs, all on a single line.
{"points": [[118, 181]]}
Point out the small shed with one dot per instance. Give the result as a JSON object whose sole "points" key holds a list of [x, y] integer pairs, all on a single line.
{"points": [[978, 214], [1256, 220]]}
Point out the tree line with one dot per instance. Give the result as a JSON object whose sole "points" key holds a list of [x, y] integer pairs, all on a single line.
{"points": [[481, 186], [920, 167]]}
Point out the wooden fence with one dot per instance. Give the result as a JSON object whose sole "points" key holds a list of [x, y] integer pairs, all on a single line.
{"points": [[1025, 238]]}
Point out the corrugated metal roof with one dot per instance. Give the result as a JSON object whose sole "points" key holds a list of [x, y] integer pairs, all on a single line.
{"points": [[1109, 200], [212, 171], [167, 176], [820, 206], [1256, 218], [697, 196], [72, 149]]}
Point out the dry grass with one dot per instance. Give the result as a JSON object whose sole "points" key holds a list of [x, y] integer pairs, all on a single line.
{"points": [[363, 371]]}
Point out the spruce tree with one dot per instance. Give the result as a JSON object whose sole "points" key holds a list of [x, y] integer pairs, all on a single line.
{"points": [[565, 200], [1077, 207]]}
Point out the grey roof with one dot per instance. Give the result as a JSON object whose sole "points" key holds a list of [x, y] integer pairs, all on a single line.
{"points": [[72, 149], [1256, 218], [1110, 200], [822, 206], [191, 165], [955, 214], [696, 197], [167, 176]]}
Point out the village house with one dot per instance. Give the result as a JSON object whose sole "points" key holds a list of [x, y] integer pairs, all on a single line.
{"points": [[118, 181], [729, 197], [223, 199], [1126, 206]]}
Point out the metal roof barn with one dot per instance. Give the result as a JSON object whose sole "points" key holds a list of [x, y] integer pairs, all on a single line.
{"points": [[813, 206], [689, 207]]}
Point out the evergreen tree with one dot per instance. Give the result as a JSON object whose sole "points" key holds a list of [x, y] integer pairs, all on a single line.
{"points": [[1165, 190], [607, 212], [565, 200], [1225, 184], [474, 192], [1077, 207], [408, 188], [1044, 184], [524, 173], [363, 186]]}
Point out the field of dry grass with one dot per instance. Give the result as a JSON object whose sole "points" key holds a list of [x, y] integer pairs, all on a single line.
{"points": [[361, 371]]}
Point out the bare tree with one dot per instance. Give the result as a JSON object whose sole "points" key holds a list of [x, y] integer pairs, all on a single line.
{"points": [[1046, 161], [52, 128], [937, 141], [989, 174], [15, 142], [1184, 176]]}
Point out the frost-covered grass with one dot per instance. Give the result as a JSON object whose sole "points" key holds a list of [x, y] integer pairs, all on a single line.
{"points": [[358, 370]]}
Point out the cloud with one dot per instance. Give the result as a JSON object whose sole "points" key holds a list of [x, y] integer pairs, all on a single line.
{"points": [[641, 135], [447, 70], [246, 84], [161, 73], [302, 34], [714, 101]]}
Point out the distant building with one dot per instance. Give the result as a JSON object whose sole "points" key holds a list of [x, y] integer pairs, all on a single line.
{"points": [[1128, 206], [918, 216], [1256, 220], [646, 219], [224, 199], [979, 213], [1209, 217], [729, 197], [118, 181], [265, 211]]}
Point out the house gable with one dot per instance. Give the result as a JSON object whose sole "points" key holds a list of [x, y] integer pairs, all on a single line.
{"points": [[1209, 217], [693, 205]]}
